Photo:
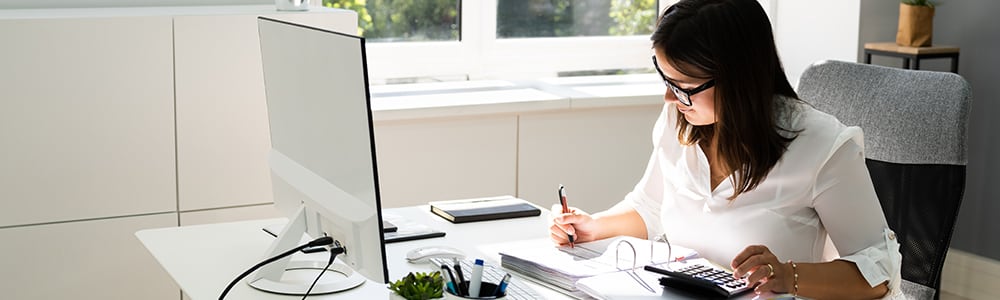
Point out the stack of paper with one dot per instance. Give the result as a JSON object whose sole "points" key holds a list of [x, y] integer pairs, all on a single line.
{"points": [[563, 266]]}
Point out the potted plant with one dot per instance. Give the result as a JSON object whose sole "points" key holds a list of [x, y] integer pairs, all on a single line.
{"points": [[419, 286], [916, 23]]}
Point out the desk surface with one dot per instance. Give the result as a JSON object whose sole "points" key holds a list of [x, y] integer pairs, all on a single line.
{"points": [[203, 259]]}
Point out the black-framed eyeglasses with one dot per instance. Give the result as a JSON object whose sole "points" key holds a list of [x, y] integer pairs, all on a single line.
{"points": [[684, 96]]}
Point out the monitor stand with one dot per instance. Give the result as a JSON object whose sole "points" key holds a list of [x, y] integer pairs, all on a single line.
{"points": [[288, 277]]}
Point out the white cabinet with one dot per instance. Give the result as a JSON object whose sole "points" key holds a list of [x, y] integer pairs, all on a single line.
{"points": [[439, 141], [222, 131], [122, 119], [117, 120], [447, 158], [98, 259], [243, 213], [598, 154], [86, 119]]}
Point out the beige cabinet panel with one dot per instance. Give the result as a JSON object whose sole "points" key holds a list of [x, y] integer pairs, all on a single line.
{"points": [[222, 137], [264, 211], [99, 259], [441, 159], [599, 154], [86, 118], [222, 131]]}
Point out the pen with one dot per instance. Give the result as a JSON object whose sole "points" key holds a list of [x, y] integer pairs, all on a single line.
{"points": [[565, 207], [449, 280], [502, 286], [461, 278], [688, 256], [476, 282]]}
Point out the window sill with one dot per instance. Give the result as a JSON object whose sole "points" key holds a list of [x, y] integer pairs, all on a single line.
{"points": [[473, 98]]}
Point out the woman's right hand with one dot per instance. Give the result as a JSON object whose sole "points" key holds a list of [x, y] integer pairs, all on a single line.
{"points": [[580, 224]]}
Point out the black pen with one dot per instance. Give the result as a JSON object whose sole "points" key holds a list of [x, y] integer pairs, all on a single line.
{"points": [[565, 208], [461, 278]]}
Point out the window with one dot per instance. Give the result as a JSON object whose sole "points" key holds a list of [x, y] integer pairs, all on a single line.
{"points": [[561, 18], [404, 20], [419, 40]]}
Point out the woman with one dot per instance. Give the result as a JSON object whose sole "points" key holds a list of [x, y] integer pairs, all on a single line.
{"points": [[746, 173]]}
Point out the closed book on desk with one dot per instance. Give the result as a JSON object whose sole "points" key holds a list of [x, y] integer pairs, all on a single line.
{"points": [[482, 209], [407, 230]]}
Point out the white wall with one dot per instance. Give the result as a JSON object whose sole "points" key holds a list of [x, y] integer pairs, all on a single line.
{"points": [[972, 25], [812, 30], [879, 20], [969, 25], [973, 270]]}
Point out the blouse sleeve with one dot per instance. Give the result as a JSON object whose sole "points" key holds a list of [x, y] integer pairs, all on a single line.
{"points": [[845, 200]]}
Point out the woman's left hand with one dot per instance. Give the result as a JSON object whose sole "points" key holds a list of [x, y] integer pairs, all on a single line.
{"points": [[764, 267]]}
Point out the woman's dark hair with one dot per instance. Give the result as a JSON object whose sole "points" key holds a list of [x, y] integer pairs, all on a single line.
{"points": [[730, 41]]}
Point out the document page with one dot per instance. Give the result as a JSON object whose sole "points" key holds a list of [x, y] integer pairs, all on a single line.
{"points": [[593, 258]]}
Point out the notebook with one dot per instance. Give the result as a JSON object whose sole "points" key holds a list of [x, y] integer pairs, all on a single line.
{"points": [[562, 267], [407, 230], [483, 209]]}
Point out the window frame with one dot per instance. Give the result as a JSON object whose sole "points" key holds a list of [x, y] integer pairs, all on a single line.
{"points": [[479, 55]]}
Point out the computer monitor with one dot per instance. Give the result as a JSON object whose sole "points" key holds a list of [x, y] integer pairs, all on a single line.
{"points": [[322, 155]]}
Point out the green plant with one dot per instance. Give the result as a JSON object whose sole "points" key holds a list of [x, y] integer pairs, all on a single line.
{"points": [[419, 286], [632, 17], [918, 2], [390, 20]]}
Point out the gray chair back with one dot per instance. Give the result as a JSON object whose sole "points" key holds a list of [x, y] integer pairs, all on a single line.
{"points": [[915, 125]]}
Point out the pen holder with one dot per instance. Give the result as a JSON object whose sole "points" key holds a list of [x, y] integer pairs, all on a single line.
{"points": [[485, 292]]}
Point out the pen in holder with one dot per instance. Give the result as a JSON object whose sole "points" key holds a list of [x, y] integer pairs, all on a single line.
{"points": [[487, 290]]}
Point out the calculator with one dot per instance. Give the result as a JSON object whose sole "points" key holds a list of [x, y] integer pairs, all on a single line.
{"points": [[701, 276]]}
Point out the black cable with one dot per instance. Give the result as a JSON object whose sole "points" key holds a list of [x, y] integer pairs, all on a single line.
{"points": [[333, 255], [317, 242]]}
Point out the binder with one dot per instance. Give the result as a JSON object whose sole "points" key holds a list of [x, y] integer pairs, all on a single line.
{"points": [[563, 267], [483, 209]]}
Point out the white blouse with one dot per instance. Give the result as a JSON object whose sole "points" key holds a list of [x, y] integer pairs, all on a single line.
{"points": [[819, 188]]}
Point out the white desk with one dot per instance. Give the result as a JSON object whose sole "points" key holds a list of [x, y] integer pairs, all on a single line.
{"points": [[203, 259]]}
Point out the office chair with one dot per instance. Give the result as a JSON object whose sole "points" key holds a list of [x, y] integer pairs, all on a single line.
{"points": [[914, 125]]}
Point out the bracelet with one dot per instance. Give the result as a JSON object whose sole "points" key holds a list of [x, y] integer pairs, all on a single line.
{"points": [[795, 278]]}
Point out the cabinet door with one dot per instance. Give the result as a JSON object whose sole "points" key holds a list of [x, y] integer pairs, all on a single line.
{"points": [[242, 213], [86, 119], [441, 159], [100, 259], [222, 131], [599, 154]]}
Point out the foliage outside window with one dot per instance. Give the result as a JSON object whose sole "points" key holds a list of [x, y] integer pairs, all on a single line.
{"points": [[404, 20], [438, 20], [414, 39], [633, 17], [565, 18]]}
